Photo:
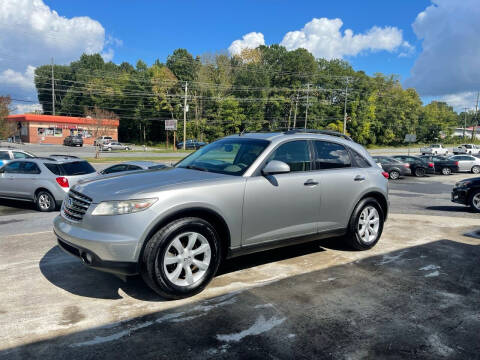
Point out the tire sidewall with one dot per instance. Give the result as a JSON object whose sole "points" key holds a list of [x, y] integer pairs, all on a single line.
{"points": [[419, 172], [53, 204], [358, 242], [165, 236]]}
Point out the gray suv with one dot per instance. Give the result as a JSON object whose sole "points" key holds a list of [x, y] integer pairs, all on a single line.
{"points": [[44, 181], [241, 194]]}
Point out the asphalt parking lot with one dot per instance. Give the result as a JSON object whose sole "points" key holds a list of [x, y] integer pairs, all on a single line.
{"points": [[415, 295]]}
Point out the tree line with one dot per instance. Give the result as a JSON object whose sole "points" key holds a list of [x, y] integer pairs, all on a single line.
{"points": [[264, 89]]}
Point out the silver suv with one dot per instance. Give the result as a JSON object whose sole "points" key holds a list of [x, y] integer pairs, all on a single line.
{"points": [[44, 181], [241, 194]]}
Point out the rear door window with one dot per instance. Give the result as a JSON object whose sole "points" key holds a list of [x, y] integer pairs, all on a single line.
{"points": [[76, 168], [116, 168], [331, 155], [30, 168], [360, 160]]}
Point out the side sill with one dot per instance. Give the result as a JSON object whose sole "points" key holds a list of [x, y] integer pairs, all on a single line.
{"points": [[249, 249]]}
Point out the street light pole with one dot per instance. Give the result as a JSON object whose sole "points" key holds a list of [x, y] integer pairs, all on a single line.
{"points": [[345, 108], [185, 117]]}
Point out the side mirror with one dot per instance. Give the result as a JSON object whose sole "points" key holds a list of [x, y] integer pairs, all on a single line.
{"points": [[275, 167]]}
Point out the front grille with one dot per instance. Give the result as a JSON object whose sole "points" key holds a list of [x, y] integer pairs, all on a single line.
{"points": [[75, 205], [69, 248]]}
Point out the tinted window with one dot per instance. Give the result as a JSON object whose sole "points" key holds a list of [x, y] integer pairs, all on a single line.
{"points": [[13, 167], [54, 169], [30, 168], [295, 153], [135, 167], [4, 155], [360, 160], [331, 155], [115, 169], [76, 168], [157, 167]]}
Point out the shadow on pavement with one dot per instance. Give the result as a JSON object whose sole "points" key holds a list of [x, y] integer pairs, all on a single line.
{"points": [[450, 208], [12, 207], [419, 302], [68, 273]]}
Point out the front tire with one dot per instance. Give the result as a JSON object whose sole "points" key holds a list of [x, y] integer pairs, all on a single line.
{"points": [[476, 169], [181, 258], [475, 201], [45, 201], [366, 224], [446, 171]]}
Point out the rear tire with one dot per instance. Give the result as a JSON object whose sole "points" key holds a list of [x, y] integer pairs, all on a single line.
{"points": [[394, 175], [366, 224], [474, 201], [181, 258], [476, 169], [446, 171], [45, 201], [419, 172]]}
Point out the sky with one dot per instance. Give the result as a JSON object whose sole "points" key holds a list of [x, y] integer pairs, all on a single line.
{"points": [[432, 45]]}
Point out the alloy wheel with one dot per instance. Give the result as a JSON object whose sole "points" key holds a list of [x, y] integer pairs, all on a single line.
{"points": [[446, 171], [44, 202], [476, 201], [368, 224], [394, 175], [476, 169], [187, 259]]}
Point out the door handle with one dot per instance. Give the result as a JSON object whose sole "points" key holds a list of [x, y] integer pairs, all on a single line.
{"points": [[310, 182], [359, 178]]}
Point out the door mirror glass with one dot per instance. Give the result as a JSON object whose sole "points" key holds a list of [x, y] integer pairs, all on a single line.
{"points": [[276, 167]]}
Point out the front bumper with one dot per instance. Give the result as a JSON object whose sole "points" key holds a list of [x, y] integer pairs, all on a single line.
{"points": [[459, 196], [90, 259]]}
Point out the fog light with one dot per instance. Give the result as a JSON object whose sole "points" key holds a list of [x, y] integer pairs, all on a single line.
{"points": [[87, 258]]}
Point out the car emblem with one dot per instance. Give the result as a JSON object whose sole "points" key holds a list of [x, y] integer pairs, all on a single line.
{"points": [[70, 202]]}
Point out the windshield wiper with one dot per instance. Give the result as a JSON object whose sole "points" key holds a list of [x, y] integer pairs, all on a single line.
{"points": [[194, 167]]}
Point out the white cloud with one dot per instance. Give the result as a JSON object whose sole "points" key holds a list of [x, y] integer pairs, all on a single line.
{"points": [[449, 61], [322, 37], [248, 41], [460, 100], [32, 33], [25, 108]]}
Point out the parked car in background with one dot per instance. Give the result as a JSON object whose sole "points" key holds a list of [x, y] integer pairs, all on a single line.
{"points": [[102, 140], [467, 163], [44, 181], [191, 144], [434, 149], [418, 166], [114, 145], [470, 149], [9, 154], [442, 165], [237, 195], [132, 166], [75, 140], [467, 192], [395, 168]]}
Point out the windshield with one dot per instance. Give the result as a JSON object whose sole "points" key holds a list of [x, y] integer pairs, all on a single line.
{"points": [[228, 156]]}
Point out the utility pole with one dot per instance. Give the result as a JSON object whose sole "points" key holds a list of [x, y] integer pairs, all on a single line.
{"points": [[464, 122], [289, 115], [345, 108], [185, 117], [474, 129], [53, 92], [306, 109], [295, 114]]}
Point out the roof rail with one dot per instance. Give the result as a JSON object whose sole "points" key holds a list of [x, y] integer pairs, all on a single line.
{"points": [[314, 131], [43, 158]]}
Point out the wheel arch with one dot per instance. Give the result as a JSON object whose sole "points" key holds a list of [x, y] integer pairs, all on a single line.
{"points": [[382, 200], [217, 221], [41, 188]]}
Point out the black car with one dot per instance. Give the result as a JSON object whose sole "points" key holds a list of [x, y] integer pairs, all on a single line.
{"points": [[442, 165], [395, 168], [73, 141], [418, 166], [191, 145], [467, 192]]}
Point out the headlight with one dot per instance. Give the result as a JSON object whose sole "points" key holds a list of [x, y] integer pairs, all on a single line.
{"points": [[462, 184], [123, 206]]}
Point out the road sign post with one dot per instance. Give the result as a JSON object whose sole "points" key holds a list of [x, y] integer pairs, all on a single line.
{"points": [[410, 138]]}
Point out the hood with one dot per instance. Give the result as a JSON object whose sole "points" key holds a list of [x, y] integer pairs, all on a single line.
{"points": [[126, 185]]}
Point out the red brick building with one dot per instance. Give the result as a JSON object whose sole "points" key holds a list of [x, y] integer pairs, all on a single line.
{"points": [[49, 129]]}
